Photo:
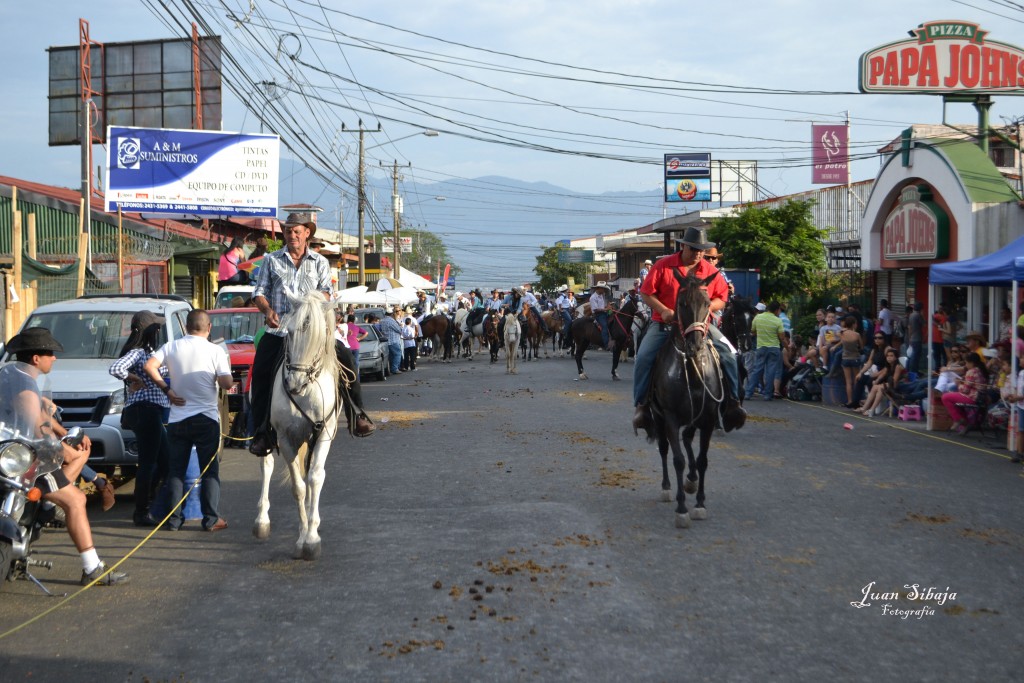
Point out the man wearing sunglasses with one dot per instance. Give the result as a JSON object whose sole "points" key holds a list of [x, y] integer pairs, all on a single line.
{"points": [[714, 258]]}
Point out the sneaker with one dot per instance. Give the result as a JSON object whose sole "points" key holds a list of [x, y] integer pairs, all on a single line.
{"points": [[111, 579]]}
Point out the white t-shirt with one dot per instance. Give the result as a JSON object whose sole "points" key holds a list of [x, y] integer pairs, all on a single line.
{"points": [[341, 334], [193, 364], [408, 336]]}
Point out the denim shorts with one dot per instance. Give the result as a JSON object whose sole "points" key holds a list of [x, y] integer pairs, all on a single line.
{"points": [[852, 363]]}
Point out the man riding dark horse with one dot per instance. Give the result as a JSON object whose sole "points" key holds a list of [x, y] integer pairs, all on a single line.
{"points": [[659, 291]]}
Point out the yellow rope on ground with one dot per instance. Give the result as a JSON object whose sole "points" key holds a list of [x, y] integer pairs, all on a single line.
{"points": [[929, 435]]}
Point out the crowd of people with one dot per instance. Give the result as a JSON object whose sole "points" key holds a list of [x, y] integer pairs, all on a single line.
{"points": [[881, 362]]}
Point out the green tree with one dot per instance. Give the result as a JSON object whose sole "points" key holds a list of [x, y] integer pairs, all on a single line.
{"points": [[551, 273], [783, 243]]}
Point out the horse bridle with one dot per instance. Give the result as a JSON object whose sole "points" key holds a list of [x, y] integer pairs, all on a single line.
{"points": [[311, 372]]}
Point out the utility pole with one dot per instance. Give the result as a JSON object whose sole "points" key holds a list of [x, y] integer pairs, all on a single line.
{"points": [[361, 192], [396, 210]]}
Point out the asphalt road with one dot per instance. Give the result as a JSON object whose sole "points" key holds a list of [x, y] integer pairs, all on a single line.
{"points": [[508, 528]]}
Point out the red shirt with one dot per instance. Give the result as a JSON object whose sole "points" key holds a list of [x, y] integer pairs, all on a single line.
{"points": [[662, 284]]}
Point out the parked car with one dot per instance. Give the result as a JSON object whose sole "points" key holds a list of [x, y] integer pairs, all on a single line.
{"points": [[362, 313], [236, 328], [374, 354], [227, 294], [92, 329]]}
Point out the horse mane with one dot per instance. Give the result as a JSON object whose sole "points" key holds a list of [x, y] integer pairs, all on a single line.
{"points": [[315, 338]]}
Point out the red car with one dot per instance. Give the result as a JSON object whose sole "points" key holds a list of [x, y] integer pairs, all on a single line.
{"points": [[237, 327]]}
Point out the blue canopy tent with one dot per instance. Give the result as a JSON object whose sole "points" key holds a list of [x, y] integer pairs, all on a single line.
{"points": [[999, 269], [1002, 268]]}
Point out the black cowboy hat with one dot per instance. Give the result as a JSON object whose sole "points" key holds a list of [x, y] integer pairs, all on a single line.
{"points": [[143, 319], [34, 339], [302, 218], [696, 238]]}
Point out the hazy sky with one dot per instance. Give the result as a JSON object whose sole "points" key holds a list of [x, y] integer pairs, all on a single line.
{"points": [[562, 92]]}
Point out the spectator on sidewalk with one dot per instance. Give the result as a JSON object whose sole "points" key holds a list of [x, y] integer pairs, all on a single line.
{"points": [[974, 381], [392, 329], [197, 368], [770, 335]]}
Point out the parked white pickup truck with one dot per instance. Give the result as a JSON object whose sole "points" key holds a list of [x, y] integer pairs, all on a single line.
{"points": [[92, 329]]}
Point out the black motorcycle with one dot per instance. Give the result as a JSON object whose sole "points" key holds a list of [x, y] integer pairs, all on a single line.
{"points": [[23, 514]]}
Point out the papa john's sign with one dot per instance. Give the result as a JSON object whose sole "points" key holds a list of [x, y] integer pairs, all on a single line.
{"points": [[917, 229], [943, 57]]}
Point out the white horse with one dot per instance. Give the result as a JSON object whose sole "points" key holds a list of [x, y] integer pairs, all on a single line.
{"points": [[304, 413], [468, 333], [513, 331]]}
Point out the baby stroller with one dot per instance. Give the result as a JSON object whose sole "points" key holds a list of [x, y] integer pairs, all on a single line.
{"points": [[805, 385]]}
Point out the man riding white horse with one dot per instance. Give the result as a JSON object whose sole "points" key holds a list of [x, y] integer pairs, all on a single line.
{"points": [[297, 270], [659, 291]]}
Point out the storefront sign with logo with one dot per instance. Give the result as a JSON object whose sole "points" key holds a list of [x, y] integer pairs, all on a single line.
{"points": [[917, 229], [944, 57], [159, 170], [830, 147], [688, 177]]}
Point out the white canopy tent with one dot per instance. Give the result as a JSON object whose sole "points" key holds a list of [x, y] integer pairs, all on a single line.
{"points": [[411, 279], [360, 296]]}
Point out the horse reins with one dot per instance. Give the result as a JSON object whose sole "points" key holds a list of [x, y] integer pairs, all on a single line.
{"points": [[312, 372]]}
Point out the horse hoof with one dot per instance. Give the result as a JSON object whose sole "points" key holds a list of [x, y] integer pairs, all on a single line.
{"points": [[666, 496], [699, 513], [690, 486], [615, 377], [583, 376], [683, 520], [311, 551], [261, 531]]}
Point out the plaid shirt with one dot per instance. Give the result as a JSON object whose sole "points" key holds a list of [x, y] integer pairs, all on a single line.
{"points": [[133, 362], [279, 275], [393, 330]]}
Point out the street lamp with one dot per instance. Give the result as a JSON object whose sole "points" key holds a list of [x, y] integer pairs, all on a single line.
{"points": [[362, 187]]}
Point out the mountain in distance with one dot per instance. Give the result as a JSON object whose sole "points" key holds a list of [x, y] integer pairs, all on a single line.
{"points": [[492, 226]]}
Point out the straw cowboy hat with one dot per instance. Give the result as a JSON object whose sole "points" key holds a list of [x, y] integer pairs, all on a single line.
{"points": [[562, 288], [696, 238], [975, 334], [34, 339], [302, 218], [603, 285]]}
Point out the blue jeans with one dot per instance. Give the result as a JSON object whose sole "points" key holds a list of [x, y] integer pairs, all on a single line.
{"points": [[656, 336], [395, 356], [767, 365], [914, 364], [203, 433], [601, 318], [566, 323]]}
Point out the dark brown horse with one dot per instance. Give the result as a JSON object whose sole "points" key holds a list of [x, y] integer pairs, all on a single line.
{"points": [[533, 332], [438, 329], [491, 337], [586, 332], [687, 390]]}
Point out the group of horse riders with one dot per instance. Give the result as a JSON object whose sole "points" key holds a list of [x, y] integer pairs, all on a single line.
{"points": [[517, 300]]}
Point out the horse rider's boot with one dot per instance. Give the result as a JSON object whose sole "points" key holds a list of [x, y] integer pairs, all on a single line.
{"points": [[262, 444], [364, 426], [733, 416], [642, 418]]}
